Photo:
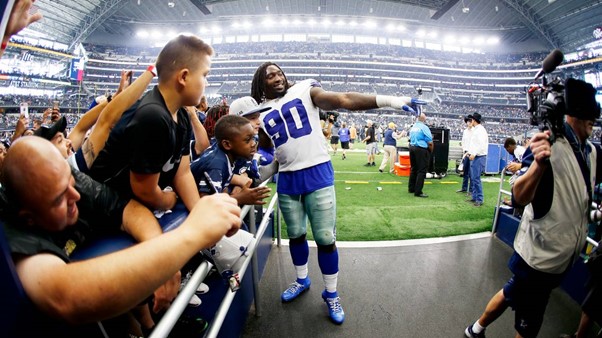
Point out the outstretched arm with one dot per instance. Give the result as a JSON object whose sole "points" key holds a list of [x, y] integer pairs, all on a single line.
{"points": [[19, 18], [20, 128], [357, 101], [112, 284], [112, 113], [333, 100], [86, 122]]}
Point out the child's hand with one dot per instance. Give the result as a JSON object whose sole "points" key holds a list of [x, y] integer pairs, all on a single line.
{"points": [[251, 196]]}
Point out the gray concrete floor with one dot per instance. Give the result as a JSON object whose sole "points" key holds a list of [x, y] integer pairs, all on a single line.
{"points": [[431, 290]]}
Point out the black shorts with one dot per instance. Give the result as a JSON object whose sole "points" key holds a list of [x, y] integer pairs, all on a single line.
{"points": [[528, 292], [345, 144], [334, 140]]}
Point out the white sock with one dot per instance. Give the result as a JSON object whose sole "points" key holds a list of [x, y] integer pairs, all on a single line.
{"points": [[330, 282], [477, 328], [301, 271]]}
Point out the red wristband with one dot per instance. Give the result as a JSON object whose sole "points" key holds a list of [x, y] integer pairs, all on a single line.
{"points": [[151, 69], [4, 45]]}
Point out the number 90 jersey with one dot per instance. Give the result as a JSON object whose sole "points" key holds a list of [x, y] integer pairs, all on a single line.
{"points": [[293, 124]]}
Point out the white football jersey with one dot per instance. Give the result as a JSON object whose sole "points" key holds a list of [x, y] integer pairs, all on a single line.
{"points": [[293, 124]]}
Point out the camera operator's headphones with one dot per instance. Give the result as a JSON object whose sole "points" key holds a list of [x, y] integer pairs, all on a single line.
{"points": [[580, 100]]}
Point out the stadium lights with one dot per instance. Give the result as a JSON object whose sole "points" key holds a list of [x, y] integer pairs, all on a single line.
{"points": [[493, 40], [464, 40], [370, 24], [156, 34], [267, 22], [425, 34], [478, 41], [450, 39]]}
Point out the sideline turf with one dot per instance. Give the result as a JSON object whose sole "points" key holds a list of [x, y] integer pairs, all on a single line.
{"points": [[366, 213]]}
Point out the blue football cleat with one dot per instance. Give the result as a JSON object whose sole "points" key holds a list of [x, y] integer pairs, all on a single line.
{"points": [[335, 310], [295, 289]]}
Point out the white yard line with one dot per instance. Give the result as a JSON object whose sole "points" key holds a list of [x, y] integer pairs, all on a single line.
{"points": [[405, 242]]}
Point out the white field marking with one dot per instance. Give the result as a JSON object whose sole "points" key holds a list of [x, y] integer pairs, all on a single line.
{"points": [[403, 242]]}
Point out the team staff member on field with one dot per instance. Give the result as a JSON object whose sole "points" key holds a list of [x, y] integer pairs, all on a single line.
{"points": [[421, 147]]}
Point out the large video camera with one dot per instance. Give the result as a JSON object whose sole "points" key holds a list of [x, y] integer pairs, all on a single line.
{"points": [[327, 115], [551, 100]]}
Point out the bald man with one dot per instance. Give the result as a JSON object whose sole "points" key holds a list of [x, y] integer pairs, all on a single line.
{"points": [[45, 225], [421, 146]]}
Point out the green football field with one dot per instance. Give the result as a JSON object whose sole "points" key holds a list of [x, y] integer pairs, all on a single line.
{"points": [[377, 206]]}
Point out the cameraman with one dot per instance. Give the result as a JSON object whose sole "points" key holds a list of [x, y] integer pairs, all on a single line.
{"points": [[553, 228]]}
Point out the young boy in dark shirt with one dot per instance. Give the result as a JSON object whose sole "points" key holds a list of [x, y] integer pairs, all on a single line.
{"points": [[235, 140], [148, 150]]}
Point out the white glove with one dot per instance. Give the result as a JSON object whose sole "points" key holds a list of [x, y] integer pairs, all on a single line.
{"points": [[396, 102]]}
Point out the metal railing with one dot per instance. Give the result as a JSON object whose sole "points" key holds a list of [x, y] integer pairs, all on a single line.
{"points": [[166, 324], [222, 311]]}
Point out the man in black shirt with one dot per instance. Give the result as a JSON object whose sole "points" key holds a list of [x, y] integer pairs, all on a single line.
{"points": [[66, 209], [148, 150], [370, 144]]}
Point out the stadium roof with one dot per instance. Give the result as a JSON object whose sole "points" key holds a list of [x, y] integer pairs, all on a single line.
{"points": [[548, 23]]}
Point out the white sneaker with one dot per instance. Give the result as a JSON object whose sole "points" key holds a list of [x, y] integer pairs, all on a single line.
{"points": [[194, 301], [202, 289]]}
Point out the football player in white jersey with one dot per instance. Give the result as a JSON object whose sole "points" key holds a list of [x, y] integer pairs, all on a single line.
{"points": [[306, 177]]}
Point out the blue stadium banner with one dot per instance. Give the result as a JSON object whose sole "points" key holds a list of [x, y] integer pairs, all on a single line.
{"points": [[76, 70]]}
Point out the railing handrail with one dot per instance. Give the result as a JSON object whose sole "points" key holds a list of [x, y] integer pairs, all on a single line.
{"points": [[224, 307], [168, 321], [163, 328]]}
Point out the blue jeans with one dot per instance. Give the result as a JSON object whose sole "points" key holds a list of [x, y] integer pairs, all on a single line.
{"points": [[466, 175], [476, 169]]}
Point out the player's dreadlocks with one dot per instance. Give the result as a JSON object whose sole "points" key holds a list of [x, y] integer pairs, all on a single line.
{"points": [[258, 84]]}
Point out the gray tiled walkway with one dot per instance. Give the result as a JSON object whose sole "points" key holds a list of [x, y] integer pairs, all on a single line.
{"points": [[409, 291]]}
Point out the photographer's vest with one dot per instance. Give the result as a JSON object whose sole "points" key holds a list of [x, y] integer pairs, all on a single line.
{"points": [[550, 243]]}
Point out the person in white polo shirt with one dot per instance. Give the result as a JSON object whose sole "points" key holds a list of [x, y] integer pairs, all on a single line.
{"points": [[479, 143]]}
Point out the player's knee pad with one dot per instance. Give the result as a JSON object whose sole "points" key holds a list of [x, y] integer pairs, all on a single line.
{"points": [[327, 248], [299, 240], [324, 237]]}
